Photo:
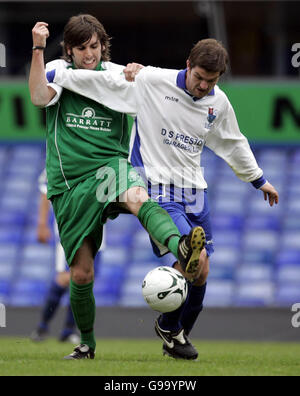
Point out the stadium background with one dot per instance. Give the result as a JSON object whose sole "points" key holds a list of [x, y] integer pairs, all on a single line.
{"points": [[255, 271]]}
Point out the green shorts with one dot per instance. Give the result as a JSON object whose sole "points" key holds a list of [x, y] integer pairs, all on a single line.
{"points": [[82, 210]]}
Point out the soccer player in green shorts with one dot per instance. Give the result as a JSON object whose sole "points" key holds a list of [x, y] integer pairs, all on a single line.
{"points": [[89, 176]]}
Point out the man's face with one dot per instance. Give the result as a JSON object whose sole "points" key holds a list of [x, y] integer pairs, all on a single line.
{"points": [[200, 82], [88, 54]]}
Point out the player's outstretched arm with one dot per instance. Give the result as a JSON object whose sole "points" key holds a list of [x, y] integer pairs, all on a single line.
{"points": [[270, 193], [40, 93], [106, 87]]}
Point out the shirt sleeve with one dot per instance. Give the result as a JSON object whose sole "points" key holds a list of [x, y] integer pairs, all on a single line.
{"points": [[106, 87], [42, 181], [50, 66], [227, 141]]}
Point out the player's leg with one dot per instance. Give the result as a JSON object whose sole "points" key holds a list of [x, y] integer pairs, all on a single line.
{"points": [[54, 295], [194, 303], [82, 298], [58, 288], [162, 228]]}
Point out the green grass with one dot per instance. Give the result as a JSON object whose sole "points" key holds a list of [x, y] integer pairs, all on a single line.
{"points": [[19, 356]]}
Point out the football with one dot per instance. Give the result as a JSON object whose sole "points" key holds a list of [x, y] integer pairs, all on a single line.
{"points": [[164, 289]]}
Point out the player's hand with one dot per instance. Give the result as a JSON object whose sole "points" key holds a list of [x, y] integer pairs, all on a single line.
{"points": [[131, 70], [270, 193], [43, 233], [40, 33]]}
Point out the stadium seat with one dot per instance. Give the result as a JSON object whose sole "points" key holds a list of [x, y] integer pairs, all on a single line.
{"points": [[260, 293], [266, 240], [5, 288], [219, 293], [225, 257], [287, 294], [37, 253], [230, 238], [27, 292], [228, 204], [289, 273], [10, 234], [7, 270], [266, 222], [255, 273], [12, 218], [227, 222], [218, 272], [290, 240], [42, 270], [114, 256]]}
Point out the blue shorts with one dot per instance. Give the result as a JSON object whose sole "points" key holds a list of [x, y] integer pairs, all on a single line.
{"points": [[186, 219]]}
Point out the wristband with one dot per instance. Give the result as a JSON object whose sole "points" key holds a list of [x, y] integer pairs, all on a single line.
{"points": [[259, 182], [38, 47]]}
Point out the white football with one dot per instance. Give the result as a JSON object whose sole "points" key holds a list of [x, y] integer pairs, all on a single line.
{"points": [[164, 289]]}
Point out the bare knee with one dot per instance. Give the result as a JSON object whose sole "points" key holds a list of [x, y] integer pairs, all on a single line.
{"points": [[82, 268]]}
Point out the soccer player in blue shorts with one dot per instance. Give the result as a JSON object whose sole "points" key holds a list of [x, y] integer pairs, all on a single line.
{"points": [[178, 112]]}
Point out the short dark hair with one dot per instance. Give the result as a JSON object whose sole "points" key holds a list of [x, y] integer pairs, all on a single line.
{"points": [[209, 54], [80, 29]]}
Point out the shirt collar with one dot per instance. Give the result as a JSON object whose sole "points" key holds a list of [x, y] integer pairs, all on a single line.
{"points": [[181, 84], [98, 68]]}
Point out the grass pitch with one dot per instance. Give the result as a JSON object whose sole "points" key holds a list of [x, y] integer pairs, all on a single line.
{"points": [[122, 357]]}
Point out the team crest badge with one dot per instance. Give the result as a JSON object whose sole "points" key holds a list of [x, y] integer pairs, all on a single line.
{"points": [[212, 114]]}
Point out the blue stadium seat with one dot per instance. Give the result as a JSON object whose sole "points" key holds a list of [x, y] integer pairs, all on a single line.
{"points": [[290, 240], [227, 222], [8, 252], [132, 294], [10, 234], [12, 218], [27, 292], [288, 257], [289, 274], [108, 283], [255, 273], [42, 271], [37, 252], [230, 238], [114, 256], [266, 240], [219, 293], [5, 288], [228, 204], [7, 269], [13, 202], [264, 222], [260, 293], [225, 256], [259, 207], [287, 294], [218, 272]]}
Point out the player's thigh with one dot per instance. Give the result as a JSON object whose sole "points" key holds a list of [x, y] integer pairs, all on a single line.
{"points": [[133, 199]]}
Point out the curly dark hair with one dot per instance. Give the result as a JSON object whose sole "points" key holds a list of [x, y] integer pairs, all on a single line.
{"points": [[79, 30]]}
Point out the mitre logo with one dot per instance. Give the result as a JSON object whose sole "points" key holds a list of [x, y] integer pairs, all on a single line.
{"points": [[88, 120]]}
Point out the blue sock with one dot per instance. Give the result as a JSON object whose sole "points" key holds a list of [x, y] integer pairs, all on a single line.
{"points": [[52, 302], [193, 307], [172, 320]]}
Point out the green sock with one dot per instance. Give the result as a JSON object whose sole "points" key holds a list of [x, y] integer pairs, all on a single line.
{"points": [[84, 310], [159, 225]]}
